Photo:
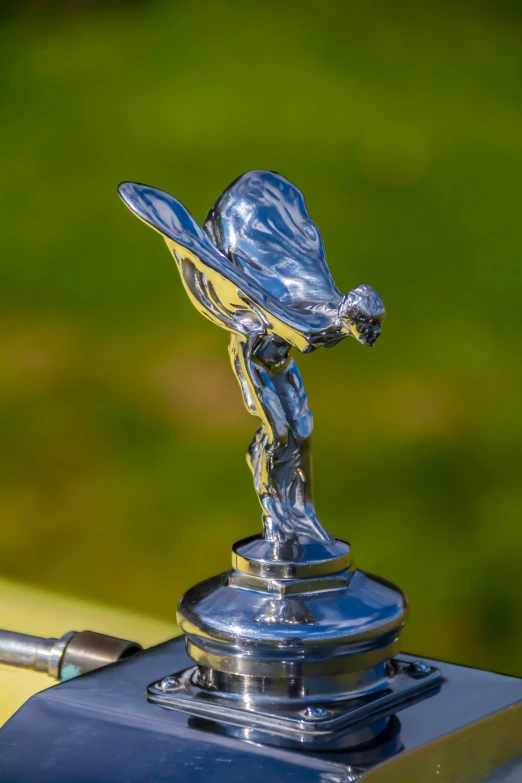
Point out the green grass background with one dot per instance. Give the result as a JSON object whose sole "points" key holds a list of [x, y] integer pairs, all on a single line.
{"points": [[122, 432]]}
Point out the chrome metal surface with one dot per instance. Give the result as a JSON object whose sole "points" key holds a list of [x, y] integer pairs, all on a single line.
{"points": [[320, 632], [33, 652], [282, 587], [293, 621], [169, 684], [342, 723], [315, 713], [258, 269], [303, 687], [72, 654], [301, 559], [418, 669]]}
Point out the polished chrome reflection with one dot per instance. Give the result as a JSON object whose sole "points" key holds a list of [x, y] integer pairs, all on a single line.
{"points": [[293, 626], [258, 269], [290, 716], [293, 620]]}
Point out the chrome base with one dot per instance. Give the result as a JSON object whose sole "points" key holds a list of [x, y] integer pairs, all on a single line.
{"points": [[291, 628], [298, 721], [299, 558]]}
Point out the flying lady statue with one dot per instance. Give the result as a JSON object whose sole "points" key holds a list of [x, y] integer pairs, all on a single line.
{"points": [[258, 269]]}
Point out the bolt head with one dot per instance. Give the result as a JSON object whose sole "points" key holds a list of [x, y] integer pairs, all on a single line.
{"points": [[169, 684], [419, 669], [315, 712]]}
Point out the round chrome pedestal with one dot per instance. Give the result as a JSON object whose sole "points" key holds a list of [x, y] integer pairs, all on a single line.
{"points": [[304, 629], [294, 647]]}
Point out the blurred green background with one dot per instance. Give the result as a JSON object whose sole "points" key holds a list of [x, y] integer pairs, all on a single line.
{"points": [[123, 436]]}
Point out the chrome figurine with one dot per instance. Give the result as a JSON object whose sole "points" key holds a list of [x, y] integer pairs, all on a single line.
{"points": [[258, 269], [285, 644]]}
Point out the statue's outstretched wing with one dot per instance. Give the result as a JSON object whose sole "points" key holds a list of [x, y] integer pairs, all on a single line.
{"points": [[169, 217], [261, 223]]}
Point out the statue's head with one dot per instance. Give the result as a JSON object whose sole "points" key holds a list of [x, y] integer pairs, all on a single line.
{"points": [[361, 314]]}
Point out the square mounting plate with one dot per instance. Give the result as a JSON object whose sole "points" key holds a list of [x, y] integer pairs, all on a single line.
{"points": [[306, 724]]}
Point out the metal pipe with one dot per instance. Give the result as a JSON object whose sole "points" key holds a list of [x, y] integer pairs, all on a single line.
{"points": [[88, 651], [19, 649], [33, 652]]}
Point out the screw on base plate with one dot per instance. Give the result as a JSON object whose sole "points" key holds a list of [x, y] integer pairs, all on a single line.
{"points": [[315, 713], [418, 669], [169, 685]]}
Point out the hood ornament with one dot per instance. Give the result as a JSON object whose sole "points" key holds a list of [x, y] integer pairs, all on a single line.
{"points": [[293, 645], [258, 269]]}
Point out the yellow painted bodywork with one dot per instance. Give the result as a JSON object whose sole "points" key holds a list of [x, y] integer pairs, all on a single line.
{"points": [[33, 611]]}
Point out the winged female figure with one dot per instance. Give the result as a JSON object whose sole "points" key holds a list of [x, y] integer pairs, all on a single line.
{"points": [[257, 268]]}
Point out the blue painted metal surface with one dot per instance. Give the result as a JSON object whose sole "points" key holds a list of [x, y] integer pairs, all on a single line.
{"points": [[100, 727]]}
